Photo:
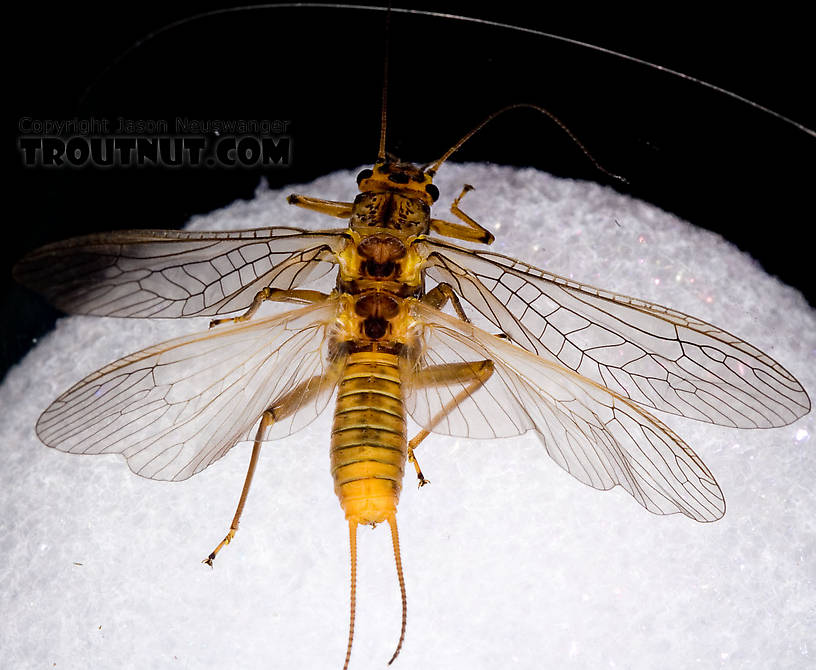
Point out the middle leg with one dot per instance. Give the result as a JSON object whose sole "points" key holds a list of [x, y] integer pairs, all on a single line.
{"points": [[301, 297]]}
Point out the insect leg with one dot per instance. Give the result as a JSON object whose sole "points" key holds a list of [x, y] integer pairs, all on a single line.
{"points": [[282, 408], [471, 375], [267, 419], [298, 296], [472, 231], [342, 210], [413, 459], [438, 297]]}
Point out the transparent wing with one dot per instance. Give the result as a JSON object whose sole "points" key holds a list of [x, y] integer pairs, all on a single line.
{"points": [[174, 408], [168, 273], [653, 355], [599, 437]]}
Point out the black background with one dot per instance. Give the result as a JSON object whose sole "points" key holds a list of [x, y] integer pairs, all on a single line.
{"points": [[713, 160]]}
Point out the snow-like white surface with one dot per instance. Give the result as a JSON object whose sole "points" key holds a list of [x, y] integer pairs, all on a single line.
{"points": [[509, 561]]}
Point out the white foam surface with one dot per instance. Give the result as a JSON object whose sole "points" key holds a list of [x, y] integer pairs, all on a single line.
{"points": [[509, 561]]}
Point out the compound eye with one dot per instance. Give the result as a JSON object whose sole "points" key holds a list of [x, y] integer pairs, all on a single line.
{"points": [[364, 174], [432, 191]]}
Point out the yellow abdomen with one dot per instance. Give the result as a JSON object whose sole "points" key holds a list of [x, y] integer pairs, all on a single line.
{"points": [[368, 446]]}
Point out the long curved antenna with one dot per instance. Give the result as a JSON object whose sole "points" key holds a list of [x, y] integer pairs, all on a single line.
{"points": [[435, 166], [392, 521], [467, 19], [622, 56]]}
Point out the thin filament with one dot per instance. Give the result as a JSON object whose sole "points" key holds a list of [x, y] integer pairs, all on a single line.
{"points": [[353, 551], [384, 103], [392, 521], [432, 170]]}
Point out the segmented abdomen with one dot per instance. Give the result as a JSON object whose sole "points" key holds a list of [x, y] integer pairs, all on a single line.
{"points": [[368, 446]]}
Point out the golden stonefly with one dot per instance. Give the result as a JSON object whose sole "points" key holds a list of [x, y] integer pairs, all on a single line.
{"points": [[578, 365]]}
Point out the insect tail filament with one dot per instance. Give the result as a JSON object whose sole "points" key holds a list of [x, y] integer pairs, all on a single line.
{"points": [[392, 521], [353, 598]]}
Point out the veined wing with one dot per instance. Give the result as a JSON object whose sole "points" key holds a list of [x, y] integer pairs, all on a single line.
{"points": [[599, 437], [655, 356], [174, 408], [169, 273]]}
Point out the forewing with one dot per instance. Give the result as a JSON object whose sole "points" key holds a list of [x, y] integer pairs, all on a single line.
{"points": [[168, 273], [599, 437], [653, 355], [174, 408]]}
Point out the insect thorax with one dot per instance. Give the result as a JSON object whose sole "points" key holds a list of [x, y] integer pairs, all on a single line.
{"points": [[379, 271], [381, 260]]}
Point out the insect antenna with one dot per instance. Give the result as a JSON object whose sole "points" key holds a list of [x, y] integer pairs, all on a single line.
{"points": [[392, 521], [353, 601], [431, 169], [384, 103]]}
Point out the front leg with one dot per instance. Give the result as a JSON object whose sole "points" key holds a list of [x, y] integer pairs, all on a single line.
{"points": [[471, 231], [342, 210]]}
